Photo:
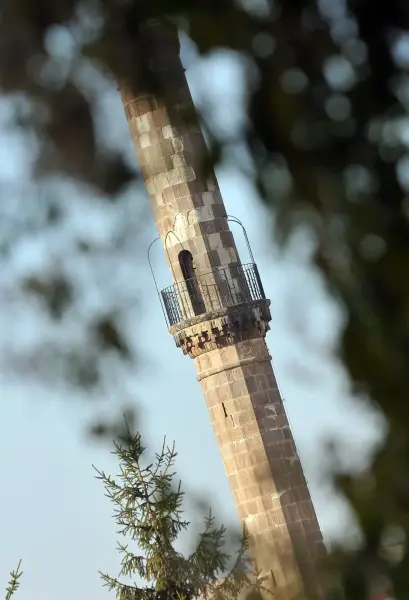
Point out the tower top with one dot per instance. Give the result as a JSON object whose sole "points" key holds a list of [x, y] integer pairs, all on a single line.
{"points": [[209, 280]]}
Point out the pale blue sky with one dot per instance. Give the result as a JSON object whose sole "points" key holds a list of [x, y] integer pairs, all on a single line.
{"points": [[53, 514]]}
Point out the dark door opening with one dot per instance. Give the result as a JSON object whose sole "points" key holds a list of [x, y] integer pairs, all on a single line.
{"points": [[192, 284]]}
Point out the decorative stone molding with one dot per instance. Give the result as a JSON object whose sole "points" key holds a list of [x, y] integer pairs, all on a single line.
{"points": [[239, 363], [222, 328]]}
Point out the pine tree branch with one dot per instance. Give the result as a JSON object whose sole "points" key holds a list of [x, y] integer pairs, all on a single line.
{"points": [[238, 576], [159, 457], [148, 509], [14, 582]]}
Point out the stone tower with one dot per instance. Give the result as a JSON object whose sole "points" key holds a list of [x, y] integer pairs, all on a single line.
{"points": [[219, 316]]}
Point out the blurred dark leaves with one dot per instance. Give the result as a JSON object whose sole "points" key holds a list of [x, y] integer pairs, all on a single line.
{"points": [[55, 294], [118, 429], [110, 337], [328, 96]]}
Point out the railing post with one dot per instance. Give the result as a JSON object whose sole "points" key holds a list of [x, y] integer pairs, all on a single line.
{"points": [[258, 278]]}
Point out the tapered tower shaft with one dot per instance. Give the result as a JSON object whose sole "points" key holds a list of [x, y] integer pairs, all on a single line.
{"points": [[219, 316]]}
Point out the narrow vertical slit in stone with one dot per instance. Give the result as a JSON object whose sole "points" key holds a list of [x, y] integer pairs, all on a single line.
{"points": [[224, 410]]}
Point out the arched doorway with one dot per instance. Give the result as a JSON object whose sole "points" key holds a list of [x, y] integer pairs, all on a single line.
{"points": [[192, 285]]}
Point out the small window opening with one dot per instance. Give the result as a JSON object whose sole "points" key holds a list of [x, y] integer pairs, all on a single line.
{"points": [[192, 285]]}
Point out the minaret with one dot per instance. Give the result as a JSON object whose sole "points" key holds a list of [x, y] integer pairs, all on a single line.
{"points": [[219, 316]]}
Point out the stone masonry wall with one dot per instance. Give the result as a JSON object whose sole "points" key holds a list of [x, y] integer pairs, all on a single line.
{"points": [[261, 463], [188, 207]]}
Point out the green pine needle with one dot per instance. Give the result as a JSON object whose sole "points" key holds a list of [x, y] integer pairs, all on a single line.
{"points": [[14, 582]]}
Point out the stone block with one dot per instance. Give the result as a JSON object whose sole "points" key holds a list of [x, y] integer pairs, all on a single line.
{"points": [[217, 412], [262, 522], [259, 399], [226, 237], [262, 471], [234, 483], [229, 407], [230, 466], [144, 105], [251, 384], [220, 441], [144, 140], [214, 258], [219, 379], [275, 518], [243, 403], [184, 205], [251, 525], [250, 428], [251, 506], [160, 117], [245, 416], [318, 551], [287, 497], [306, 509], [228, 356], [310, 525], [237, 388], [223, 393], [274, 451], [177, 144], [301, 493], [261, 383], [177, 160], [247, 478], [287, 448], [181, 174], [242, 461], [257, 456], [169, 132], [202, 260], [227, 451], [272, 437], [233, 255], [212, 398], [224, 256], [218, 427], [291, 513], [254, 443], [240, 507], [249, 370], [208, 197], [273, 395], [271, 381]]}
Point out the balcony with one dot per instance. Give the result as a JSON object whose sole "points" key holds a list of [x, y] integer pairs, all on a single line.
{"points": [[220, 288]]}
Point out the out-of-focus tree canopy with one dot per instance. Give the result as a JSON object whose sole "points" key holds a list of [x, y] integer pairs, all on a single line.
{"points": [[328, 133]]}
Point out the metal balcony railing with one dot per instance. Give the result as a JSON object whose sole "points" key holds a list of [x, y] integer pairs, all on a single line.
{"points": [[220, 288]]}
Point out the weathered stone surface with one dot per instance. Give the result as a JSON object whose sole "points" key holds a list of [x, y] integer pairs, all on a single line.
{"points": [[261, 462], [222, 328], [228, 346], [170, 152]]}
